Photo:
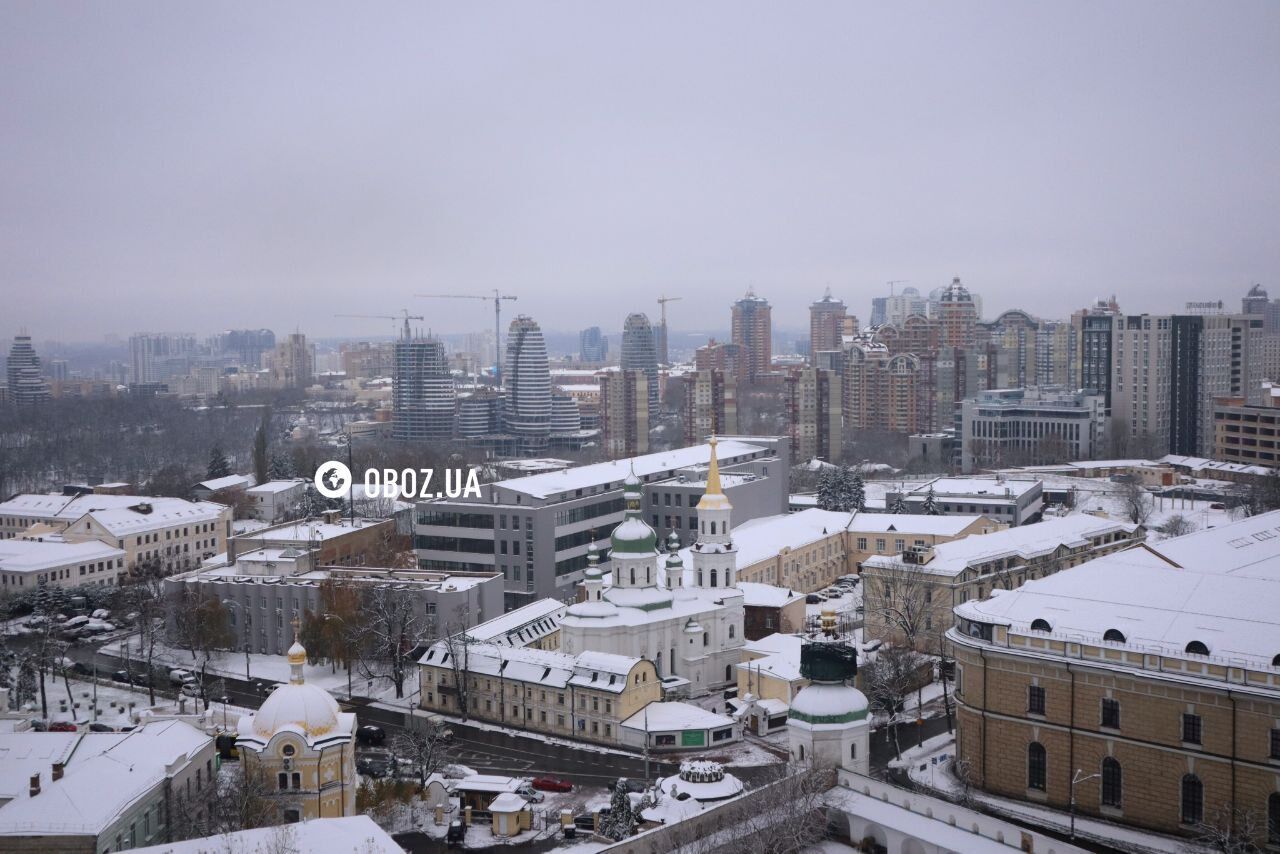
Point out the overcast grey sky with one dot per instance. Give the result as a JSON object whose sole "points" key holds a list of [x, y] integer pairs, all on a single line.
{"points": [[201, 166]]}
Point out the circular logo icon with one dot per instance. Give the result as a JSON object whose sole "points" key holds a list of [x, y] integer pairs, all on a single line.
{"points": [[333, 479]]}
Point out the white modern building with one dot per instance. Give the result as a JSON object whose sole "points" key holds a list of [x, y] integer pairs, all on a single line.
{"points": [[1019, 426], [276, 500], [1013, 502], [687, 620], [25, 564]]}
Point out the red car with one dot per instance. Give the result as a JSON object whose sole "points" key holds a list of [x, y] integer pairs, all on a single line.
{"points": [[552, 784], [62, 726]]}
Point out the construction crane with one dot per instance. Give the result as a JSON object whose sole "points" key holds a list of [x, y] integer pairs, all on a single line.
{"points": [[404, 311], [497, 324], [662, 301], [893, 282]]}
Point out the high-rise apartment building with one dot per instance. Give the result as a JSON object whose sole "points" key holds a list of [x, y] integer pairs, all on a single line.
{"points": [[720, 356], [423, 399], [27, 386], [624, 412], [710, 405], [753, 332], [638, 353], [826, 323], [157, 358], [294, 364], [814, 414], [1092, 329], [526, 379], [1166, 372], [365, 360], [1255, 301], [957, 314], [592, 345], [887, 391], [246, 346]]}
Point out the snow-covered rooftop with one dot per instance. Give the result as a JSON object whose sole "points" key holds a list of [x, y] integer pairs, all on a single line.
{"points": [[275, 486], [523, 625], [35, 555], [353, 833], [598, 670], [767, 595], [231, 481], [121, 514], [583, 477], [1026, 541], [310, 531], [986, 487], [665, 717], [100, 784], [1161, 597]]}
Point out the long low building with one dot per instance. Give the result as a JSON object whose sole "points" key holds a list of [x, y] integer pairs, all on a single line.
{"points": [[157, 534], [585, 696], [916, 590], [807, 551], [1155, 671], [25, 564]]}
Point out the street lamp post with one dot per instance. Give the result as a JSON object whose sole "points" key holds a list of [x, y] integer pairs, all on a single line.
{"points": [[1076, 778]]}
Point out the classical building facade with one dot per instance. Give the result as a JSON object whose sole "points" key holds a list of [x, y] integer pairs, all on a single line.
{"points": [[304, 746], [1154, 671]]}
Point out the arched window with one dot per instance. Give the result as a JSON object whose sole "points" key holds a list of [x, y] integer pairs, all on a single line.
{"points": [[728, 672], [699, 578], [1113, 635], [802, 753], [1112, 782], [648, 575], [1273, 818], [853, 751], [633, 575], [713, 527], [1197, 648], [1039, 625], [713, 577], [1037, 766], [731, 630], [1192, 799]]}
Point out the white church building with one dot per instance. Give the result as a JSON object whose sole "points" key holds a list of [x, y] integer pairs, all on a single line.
{"points": [[685, 619]]}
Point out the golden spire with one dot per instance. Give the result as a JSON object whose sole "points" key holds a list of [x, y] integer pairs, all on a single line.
{"points": [[713, 472]]}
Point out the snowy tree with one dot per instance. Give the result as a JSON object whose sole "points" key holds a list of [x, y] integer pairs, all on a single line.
{"points": [[280, 468], [388, 636], [218, 465], [260, 460], [829, 489], [899, 506], [930, 506], [857, 491], [621, 821]]}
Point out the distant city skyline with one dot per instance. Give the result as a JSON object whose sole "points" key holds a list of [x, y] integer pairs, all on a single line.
{"points": [[276, 165]]}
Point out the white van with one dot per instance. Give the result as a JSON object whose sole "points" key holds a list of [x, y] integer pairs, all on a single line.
{"points": [[181, 677]]}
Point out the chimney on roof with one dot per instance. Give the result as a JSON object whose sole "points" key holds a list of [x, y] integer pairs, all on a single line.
{"points": [[58, 768], [35, 785], [332, 517]]}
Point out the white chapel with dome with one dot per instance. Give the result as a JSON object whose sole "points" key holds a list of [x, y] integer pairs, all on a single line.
{"points": [[305, 747], [646, 604]]}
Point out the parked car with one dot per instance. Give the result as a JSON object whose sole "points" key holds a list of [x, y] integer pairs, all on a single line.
{"points": [[530, 794], [97, 726], [191, 689], [376, 764], [370, 734], [225, 744], [180, 676], [38, 725], [62, 726], [82, 668], [815, 599], [552, 784], [120, 676]]}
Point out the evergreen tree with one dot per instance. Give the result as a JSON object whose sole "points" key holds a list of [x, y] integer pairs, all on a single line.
{"points": [[857, 491], [899, 506], [829, 489], [218, 465], [930, 507], [621, 821], [24, 691], [280, 468], [260, 460]]}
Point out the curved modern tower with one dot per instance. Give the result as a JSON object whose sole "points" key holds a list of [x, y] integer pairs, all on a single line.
{"points": [[527, 384], [639, 352]]}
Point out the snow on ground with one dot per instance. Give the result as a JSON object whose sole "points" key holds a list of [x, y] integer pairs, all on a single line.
{"points": [[930, 766], [272, 669], [846, 604], [490, 727], [749, 751], [1200, 514], [829, 846], [115, 703]]}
